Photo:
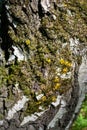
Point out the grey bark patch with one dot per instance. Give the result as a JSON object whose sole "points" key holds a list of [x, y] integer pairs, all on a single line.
{"points": [[30, 127], [45, 24], [2, 128]]}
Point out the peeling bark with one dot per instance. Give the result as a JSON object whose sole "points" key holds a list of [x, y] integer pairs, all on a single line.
{"points": [[34, 35]]}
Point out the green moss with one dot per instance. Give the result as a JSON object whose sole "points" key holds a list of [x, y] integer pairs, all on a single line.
{"points": [[31, 109], [1, 116], [45, 49], [3, 76], [81, 121]]}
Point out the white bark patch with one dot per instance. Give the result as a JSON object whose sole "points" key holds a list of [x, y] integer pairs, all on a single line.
{"points": [[40, 128], [54, 17], [28, 119], [17, 107], [33, 117], [66, 76], [2, 59], [74, 45], [57, 102], [11, 58], [58, 116], [18, 53], [69, 12], [1, 122], [39, 96], [45, 5]]}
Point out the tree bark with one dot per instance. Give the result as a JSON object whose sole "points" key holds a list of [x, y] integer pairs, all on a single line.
{"points": [[43, 45]]}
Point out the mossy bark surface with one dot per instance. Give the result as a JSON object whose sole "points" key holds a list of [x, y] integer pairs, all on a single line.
{"points": [[43, 44]]}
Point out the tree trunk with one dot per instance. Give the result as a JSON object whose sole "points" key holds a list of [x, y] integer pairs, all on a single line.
{"points": [[42, 63]]}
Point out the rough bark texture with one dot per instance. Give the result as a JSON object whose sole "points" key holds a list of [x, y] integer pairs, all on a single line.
{"points": [[41, 41]]}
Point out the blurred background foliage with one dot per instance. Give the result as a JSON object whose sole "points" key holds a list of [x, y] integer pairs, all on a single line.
{"points": [[81, 121]]}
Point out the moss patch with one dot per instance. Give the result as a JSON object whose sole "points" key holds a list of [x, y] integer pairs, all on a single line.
{"points": [[48, 50]]}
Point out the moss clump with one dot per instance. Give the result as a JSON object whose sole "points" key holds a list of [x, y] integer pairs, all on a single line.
{"points": [[40, 76], [49, 65], [3, 76], [1, 116]]}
